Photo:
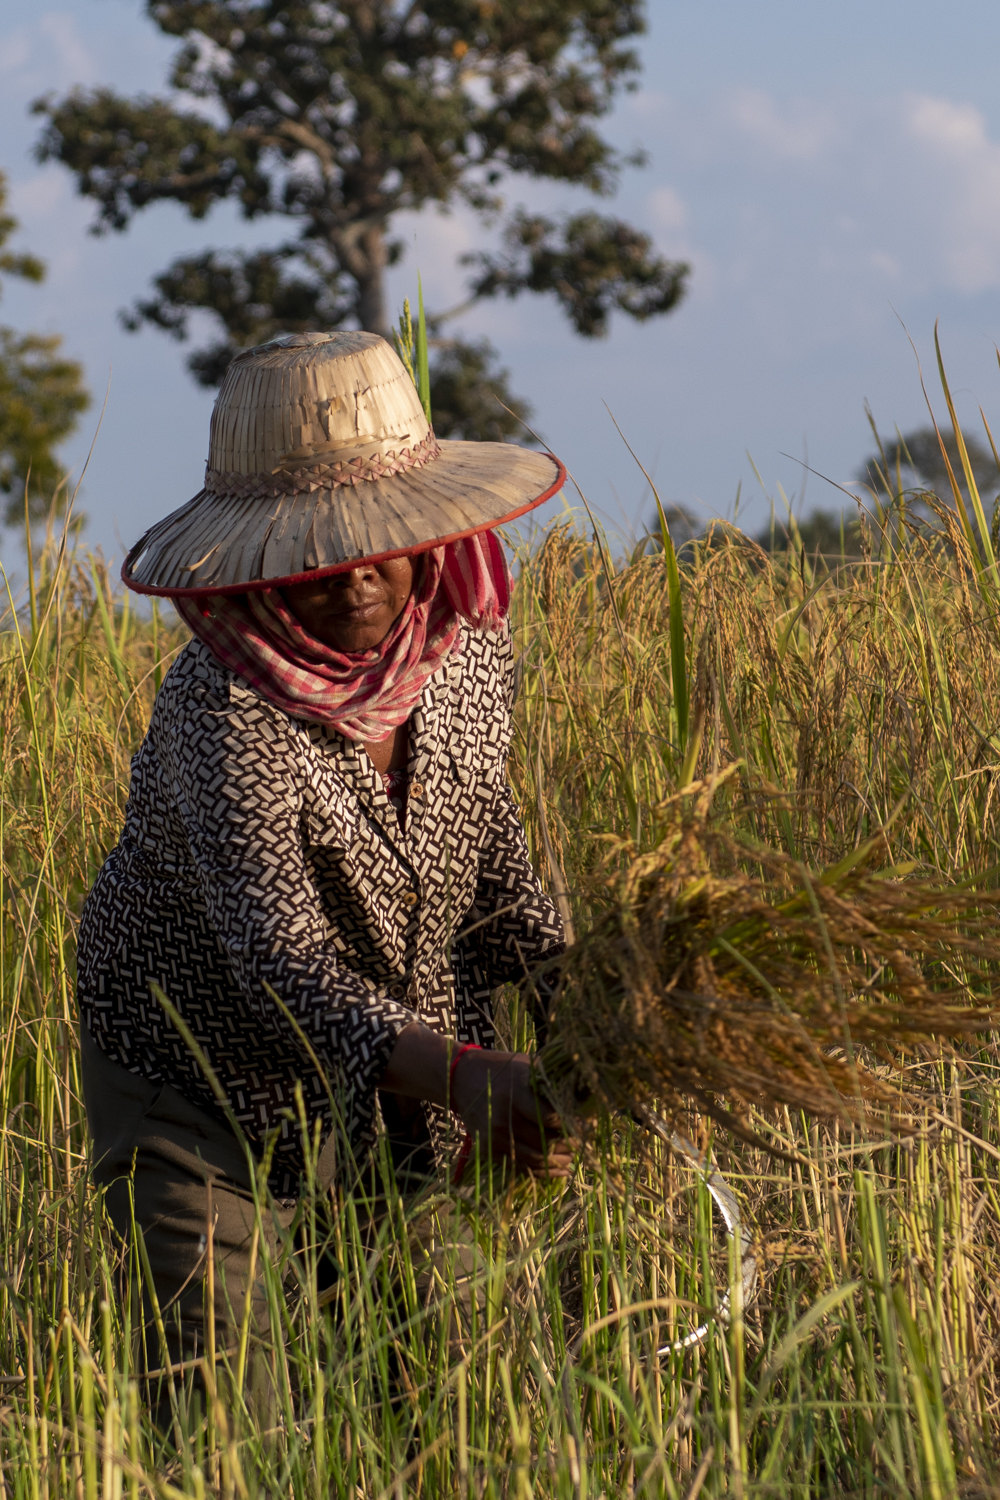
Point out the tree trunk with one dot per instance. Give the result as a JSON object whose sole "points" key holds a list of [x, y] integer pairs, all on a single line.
{"points": [[370, 277]]}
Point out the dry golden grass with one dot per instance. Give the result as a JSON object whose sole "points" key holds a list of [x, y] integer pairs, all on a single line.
{"points": [[858, 704], [727, 976]]}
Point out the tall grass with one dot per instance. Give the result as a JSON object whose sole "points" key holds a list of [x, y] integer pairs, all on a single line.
{"points": [[855, 698]]}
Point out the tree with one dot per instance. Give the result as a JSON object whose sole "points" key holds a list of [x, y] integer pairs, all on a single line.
{"points": [[340, 114], [828, 534], [41, 397], [917, 460], [591, 264], [470, 397]]}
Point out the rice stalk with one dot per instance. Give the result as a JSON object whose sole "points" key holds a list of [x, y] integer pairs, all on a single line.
{"points": [[724, 976]]}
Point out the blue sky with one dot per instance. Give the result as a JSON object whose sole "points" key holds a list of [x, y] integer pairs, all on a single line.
{"points": [[831, 172]]}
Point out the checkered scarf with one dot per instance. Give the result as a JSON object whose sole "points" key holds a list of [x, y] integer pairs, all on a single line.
{"points": [[363, 694]]}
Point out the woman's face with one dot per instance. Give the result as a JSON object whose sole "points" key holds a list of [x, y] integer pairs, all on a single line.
{"points": [[355, 610]]}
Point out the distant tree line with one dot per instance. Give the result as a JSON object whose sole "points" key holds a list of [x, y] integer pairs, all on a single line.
{"points": [[911, 465], [42, 394]]}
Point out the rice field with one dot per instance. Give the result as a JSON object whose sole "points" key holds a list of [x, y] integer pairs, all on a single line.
{"points": [[517, 1339]]}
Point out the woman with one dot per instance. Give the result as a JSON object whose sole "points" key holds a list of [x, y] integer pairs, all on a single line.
{"points": [[321, 865]]}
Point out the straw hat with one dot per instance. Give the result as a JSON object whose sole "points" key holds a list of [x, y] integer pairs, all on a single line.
{"points": [[320, 456]]}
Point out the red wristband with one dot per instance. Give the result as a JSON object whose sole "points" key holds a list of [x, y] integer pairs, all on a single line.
{"points": [[462, 1161], [466, 1047]]}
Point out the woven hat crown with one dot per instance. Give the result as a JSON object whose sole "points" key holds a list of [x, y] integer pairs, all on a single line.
{"points": [[314, 401]]}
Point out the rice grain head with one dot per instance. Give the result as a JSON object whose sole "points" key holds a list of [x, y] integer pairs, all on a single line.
{"points": [[725, 975]]}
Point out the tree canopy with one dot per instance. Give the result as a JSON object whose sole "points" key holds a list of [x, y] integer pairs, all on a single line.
{"points": [[339, 116], [916, 459], [822, 533], [41, 396]]}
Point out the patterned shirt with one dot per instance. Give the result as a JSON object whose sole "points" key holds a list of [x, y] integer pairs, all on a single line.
{"points": [[262, 854], [396, 786]]}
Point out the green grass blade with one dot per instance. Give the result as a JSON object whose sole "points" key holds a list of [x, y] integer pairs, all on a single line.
{"points": [[984, 552], [423, 368]]}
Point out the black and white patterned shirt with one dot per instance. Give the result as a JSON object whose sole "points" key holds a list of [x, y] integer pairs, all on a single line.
{"points": [[262, 852]]}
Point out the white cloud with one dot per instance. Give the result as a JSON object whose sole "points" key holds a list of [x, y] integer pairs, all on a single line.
{"points": [[15, 49], [828, 201], [959, 188], [887, 264], [64, 43], [52, 222], [433, 242], [795, 131], [668, 215], [668, 210], [49, 53], [953, 129], [37, 198]]}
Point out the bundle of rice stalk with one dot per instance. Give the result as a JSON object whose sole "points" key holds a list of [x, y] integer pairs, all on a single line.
{"points": [[725, 975]]}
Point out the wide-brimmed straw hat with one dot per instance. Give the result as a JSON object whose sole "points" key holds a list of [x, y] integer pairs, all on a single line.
{"points": [[320, 457]]}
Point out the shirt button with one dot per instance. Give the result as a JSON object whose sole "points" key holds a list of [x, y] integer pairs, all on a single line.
{"points": [[417, 789], [397, 991], [409, 898]]}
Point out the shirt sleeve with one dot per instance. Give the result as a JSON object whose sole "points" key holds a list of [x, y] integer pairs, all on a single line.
{"points": [[234, 777], [511, 928]]}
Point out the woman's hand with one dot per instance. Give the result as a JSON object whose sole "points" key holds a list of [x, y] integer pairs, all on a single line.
{"points": [[490, 1091], [493, 1094]]}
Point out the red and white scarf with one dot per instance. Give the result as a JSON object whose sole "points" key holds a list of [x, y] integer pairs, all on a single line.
{"points": [[363, 694]]}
